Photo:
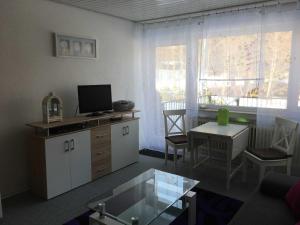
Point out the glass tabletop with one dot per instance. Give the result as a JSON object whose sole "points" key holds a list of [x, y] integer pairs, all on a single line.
{"points": [[145, 197]]}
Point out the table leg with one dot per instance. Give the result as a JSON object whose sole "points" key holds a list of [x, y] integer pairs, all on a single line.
{"points": [[191, 198], [208, 147], [228, 163], [191, 148], [95, 219], [166, 153], [175, 156], [244, 162], [196, 153]]}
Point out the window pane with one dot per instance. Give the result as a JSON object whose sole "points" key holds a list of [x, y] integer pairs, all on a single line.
{"points": [[245, 70], [171, 75], [231, 57], [277, 59], [234, 93]]}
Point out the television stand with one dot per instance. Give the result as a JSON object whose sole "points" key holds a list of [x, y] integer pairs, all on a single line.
{"points": [[95, 114], [96, 145]]}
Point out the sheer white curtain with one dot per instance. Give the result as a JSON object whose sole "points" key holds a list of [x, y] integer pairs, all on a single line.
{"points": [[168, 75], [251, 54], [280, 71], [229, 56]]}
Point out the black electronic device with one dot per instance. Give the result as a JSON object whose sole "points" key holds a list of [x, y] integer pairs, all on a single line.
{"points": [[94, 99]]}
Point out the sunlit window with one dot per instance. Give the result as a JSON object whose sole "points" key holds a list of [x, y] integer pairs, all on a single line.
{"points": [[248, 70], [171, 74], [240, 71]]}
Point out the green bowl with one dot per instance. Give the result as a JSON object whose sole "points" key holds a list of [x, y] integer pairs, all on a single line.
{"points": [[242, 120]]}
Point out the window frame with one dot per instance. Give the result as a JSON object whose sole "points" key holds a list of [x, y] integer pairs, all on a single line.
{"points": [[292, 103], [255, 109]]}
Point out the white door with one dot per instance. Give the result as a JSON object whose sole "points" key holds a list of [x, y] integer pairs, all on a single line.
{"points": [[80, 163], [124, 144], [57, 165], [132, 141]]}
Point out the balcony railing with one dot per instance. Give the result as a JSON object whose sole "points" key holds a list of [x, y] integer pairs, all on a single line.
{"points": [[252, 102]]}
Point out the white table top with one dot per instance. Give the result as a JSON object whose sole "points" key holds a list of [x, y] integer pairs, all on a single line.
{"points": [[230, 130]]}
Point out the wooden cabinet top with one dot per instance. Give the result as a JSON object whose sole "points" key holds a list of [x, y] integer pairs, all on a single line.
{"points": [[79, 119]]}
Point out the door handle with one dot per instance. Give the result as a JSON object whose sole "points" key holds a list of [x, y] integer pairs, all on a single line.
{"points": [[124, 131], [72, 144], [67, 146], [127, 130]]}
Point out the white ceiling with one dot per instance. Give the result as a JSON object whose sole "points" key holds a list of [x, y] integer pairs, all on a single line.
{"points": [[141, 10]]}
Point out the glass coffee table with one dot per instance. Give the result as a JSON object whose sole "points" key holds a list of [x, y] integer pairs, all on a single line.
{"points": [[153, 197]]}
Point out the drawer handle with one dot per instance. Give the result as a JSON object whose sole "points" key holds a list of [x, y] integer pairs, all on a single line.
{"points": [[67, 146], [99, 153], [72, 144], [125, 130]]}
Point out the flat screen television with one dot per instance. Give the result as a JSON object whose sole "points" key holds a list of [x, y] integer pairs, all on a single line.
{"points": [[94, 98]]}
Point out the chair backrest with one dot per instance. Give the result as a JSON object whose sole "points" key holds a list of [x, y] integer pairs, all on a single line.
{"points": [[285, 134], [174, 122]]}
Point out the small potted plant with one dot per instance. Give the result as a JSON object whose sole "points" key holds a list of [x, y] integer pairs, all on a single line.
{"points": [[223, 116]]}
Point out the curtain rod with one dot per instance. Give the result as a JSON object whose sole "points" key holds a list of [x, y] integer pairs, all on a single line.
{"points": [[220, 10]]}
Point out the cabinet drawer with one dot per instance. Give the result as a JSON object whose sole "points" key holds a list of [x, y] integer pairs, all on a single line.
{"points": [[101, 142], [100, 131], [101, 167], [103, 160], [100, 137], [100, 154], [100, 172], [101, 146]]}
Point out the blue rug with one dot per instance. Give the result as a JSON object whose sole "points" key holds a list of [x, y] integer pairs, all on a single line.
{"points": [[212, 209]]}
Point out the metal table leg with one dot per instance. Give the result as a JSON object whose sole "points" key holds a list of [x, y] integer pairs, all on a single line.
{"points": [[95, 219], [191, 198]]}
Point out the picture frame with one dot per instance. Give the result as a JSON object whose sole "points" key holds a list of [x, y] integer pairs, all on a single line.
{"points": [[75, 46]]}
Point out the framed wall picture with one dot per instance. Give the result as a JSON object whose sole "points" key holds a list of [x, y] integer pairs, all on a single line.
{"points": [[71, 46]]}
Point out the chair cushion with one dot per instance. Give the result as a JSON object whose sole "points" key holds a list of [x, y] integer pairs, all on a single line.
{"points": [[269, 153], [177, 139]]}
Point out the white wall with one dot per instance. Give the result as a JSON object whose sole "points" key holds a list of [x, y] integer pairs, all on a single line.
{"points": [[28, 71]]}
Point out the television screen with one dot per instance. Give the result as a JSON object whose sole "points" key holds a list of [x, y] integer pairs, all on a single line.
{"points": [[94, 98]]}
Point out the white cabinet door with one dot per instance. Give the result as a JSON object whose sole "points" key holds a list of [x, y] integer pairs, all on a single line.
{"points": [[80, 163], [68, 162], [58, 165], [124, 144], [132, 141]]}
